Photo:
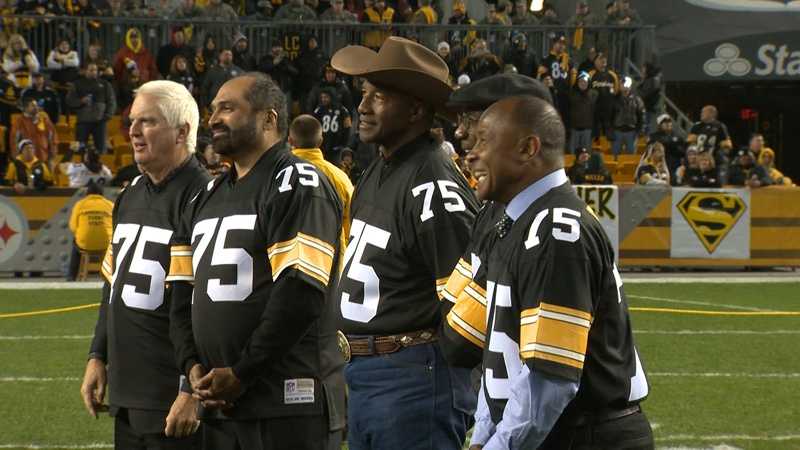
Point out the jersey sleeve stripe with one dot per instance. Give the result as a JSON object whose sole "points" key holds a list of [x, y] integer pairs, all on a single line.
{"points": [[456, 283], [549, 333], [466, 330], [553, 358], [566, 310], [304, 253], [180, 268], [107, 266]]}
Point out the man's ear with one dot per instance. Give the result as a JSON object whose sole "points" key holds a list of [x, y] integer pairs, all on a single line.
{"points": [[270, 120], [419, 111], [530, 147], [183, 133]]}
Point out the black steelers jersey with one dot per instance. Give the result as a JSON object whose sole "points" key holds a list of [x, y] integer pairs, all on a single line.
{"points": [[411, 216], [560, 70], [132, 331], [710, 136], [463, 332], [282, 219], [556, 303]]}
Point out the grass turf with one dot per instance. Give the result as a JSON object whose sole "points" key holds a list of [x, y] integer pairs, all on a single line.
{"points": [[706, 389]]}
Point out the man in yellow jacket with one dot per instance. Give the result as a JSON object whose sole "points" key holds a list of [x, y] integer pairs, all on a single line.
{"points": [[305, 138], [90, 223]]}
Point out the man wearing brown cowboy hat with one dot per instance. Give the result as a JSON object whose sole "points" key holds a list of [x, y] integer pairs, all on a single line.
{"points": [[412, 212]]}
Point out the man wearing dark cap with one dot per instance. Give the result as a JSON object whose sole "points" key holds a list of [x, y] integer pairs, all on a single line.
{"points": [[463, 331], [412, 212]]}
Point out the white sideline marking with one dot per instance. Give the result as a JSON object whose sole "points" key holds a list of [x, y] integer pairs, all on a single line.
{"points": [[727, 437], [713, 447], [37, 379], [713, 332], [32, 285], [695, 302], [629, 279], [724, 374], [65, 446], [40, 338]]}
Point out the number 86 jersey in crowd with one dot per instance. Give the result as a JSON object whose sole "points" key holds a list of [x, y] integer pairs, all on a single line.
{"points": [[412, 214]]}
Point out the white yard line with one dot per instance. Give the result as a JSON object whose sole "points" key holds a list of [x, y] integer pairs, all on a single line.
{"points": [[710, 279], [32, 285], [55, 446], [36, 379], [723, 375], [726, 437], [44, 338], [715, 332], [695, 302]]}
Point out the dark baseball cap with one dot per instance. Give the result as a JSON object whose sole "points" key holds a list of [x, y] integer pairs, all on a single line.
{"points": [[480, 94]]}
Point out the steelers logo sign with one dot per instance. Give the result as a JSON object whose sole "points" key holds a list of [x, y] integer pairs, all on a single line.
{"points": [[712, 215], [13, 229]]}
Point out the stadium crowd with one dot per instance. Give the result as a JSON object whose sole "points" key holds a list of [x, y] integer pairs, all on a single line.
{"points": [[609, 116]]}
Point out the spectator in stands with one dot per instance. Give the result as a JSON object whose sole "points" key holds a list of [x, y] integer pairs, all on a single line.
{"points": [[277, 65], [425, 15], [162, 9], [127, 86], [305, 138], [606, 82], [459, 39], [520, 55], [34, 125], [46, 98], [218, 75], [589, 168], [94, 54], [711, 135], [188, 10], [311, 65], [19, 62], [181, 72], [628, 119], [650, 90], [91, 169], [766, 159], [480, 63], [558, 67], [377, 13], [523, 16], [242, 56], [218, 11], [549, 16], [443, 50], [210, 159], [588, 63], [295, 11], [134, 51], [688, 167], [756, 144], [337, 13], [652, 168], [331, 80], [90, 223], [349, 165], [63, 62], [582, 39], [123, 8], [264, 12], [206, 57], [26, 171], [674, 144], [624, 15], [496, 15], [582, 102], [336, 123], [705, 176], [177, 46], [745, 171], [94, 102]]}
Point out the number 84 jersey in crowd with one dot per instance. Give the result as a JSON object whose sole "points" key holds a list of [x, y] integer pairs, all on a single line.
{"points": [[412, 214], [555, 302]]}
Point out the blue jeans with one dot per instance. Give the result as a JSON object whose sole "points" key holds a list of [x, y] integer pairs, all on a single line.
{"points": [[410, 400], [624, 137], [580, 138]]}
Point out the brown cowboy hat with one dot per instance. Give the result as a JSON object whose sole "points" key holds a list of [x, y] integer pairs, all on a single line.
{"points": [[401, 65]]}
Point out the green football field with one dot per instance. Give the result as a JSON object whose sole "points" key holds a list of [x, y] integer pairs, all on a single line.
{"points": [[730, 379]]}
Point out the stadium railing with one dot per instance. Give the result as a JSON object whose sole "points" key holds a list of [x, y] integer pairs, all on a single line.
{"points": [[621, 42]]}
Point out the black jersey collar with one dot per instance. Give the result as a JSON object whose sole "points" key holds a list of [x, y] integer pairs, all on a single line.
{"points": [[424, 140], [266, 160], [190, 161]]}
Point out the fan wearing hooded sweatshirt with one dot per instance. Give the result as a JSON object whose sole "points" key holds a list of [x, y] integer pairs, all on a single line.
{"points": [[766, 159], [177, 46], [134, 52], [652, 168]]}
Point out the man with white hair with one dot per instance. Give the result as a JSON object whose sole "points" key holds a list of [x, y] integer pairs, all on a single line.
{"points": [[133, 339]]}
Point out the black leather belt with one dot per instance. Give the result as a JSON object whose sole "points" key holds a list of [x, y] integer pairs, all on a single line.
{"points": [[381, 345], [605, 415]]}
